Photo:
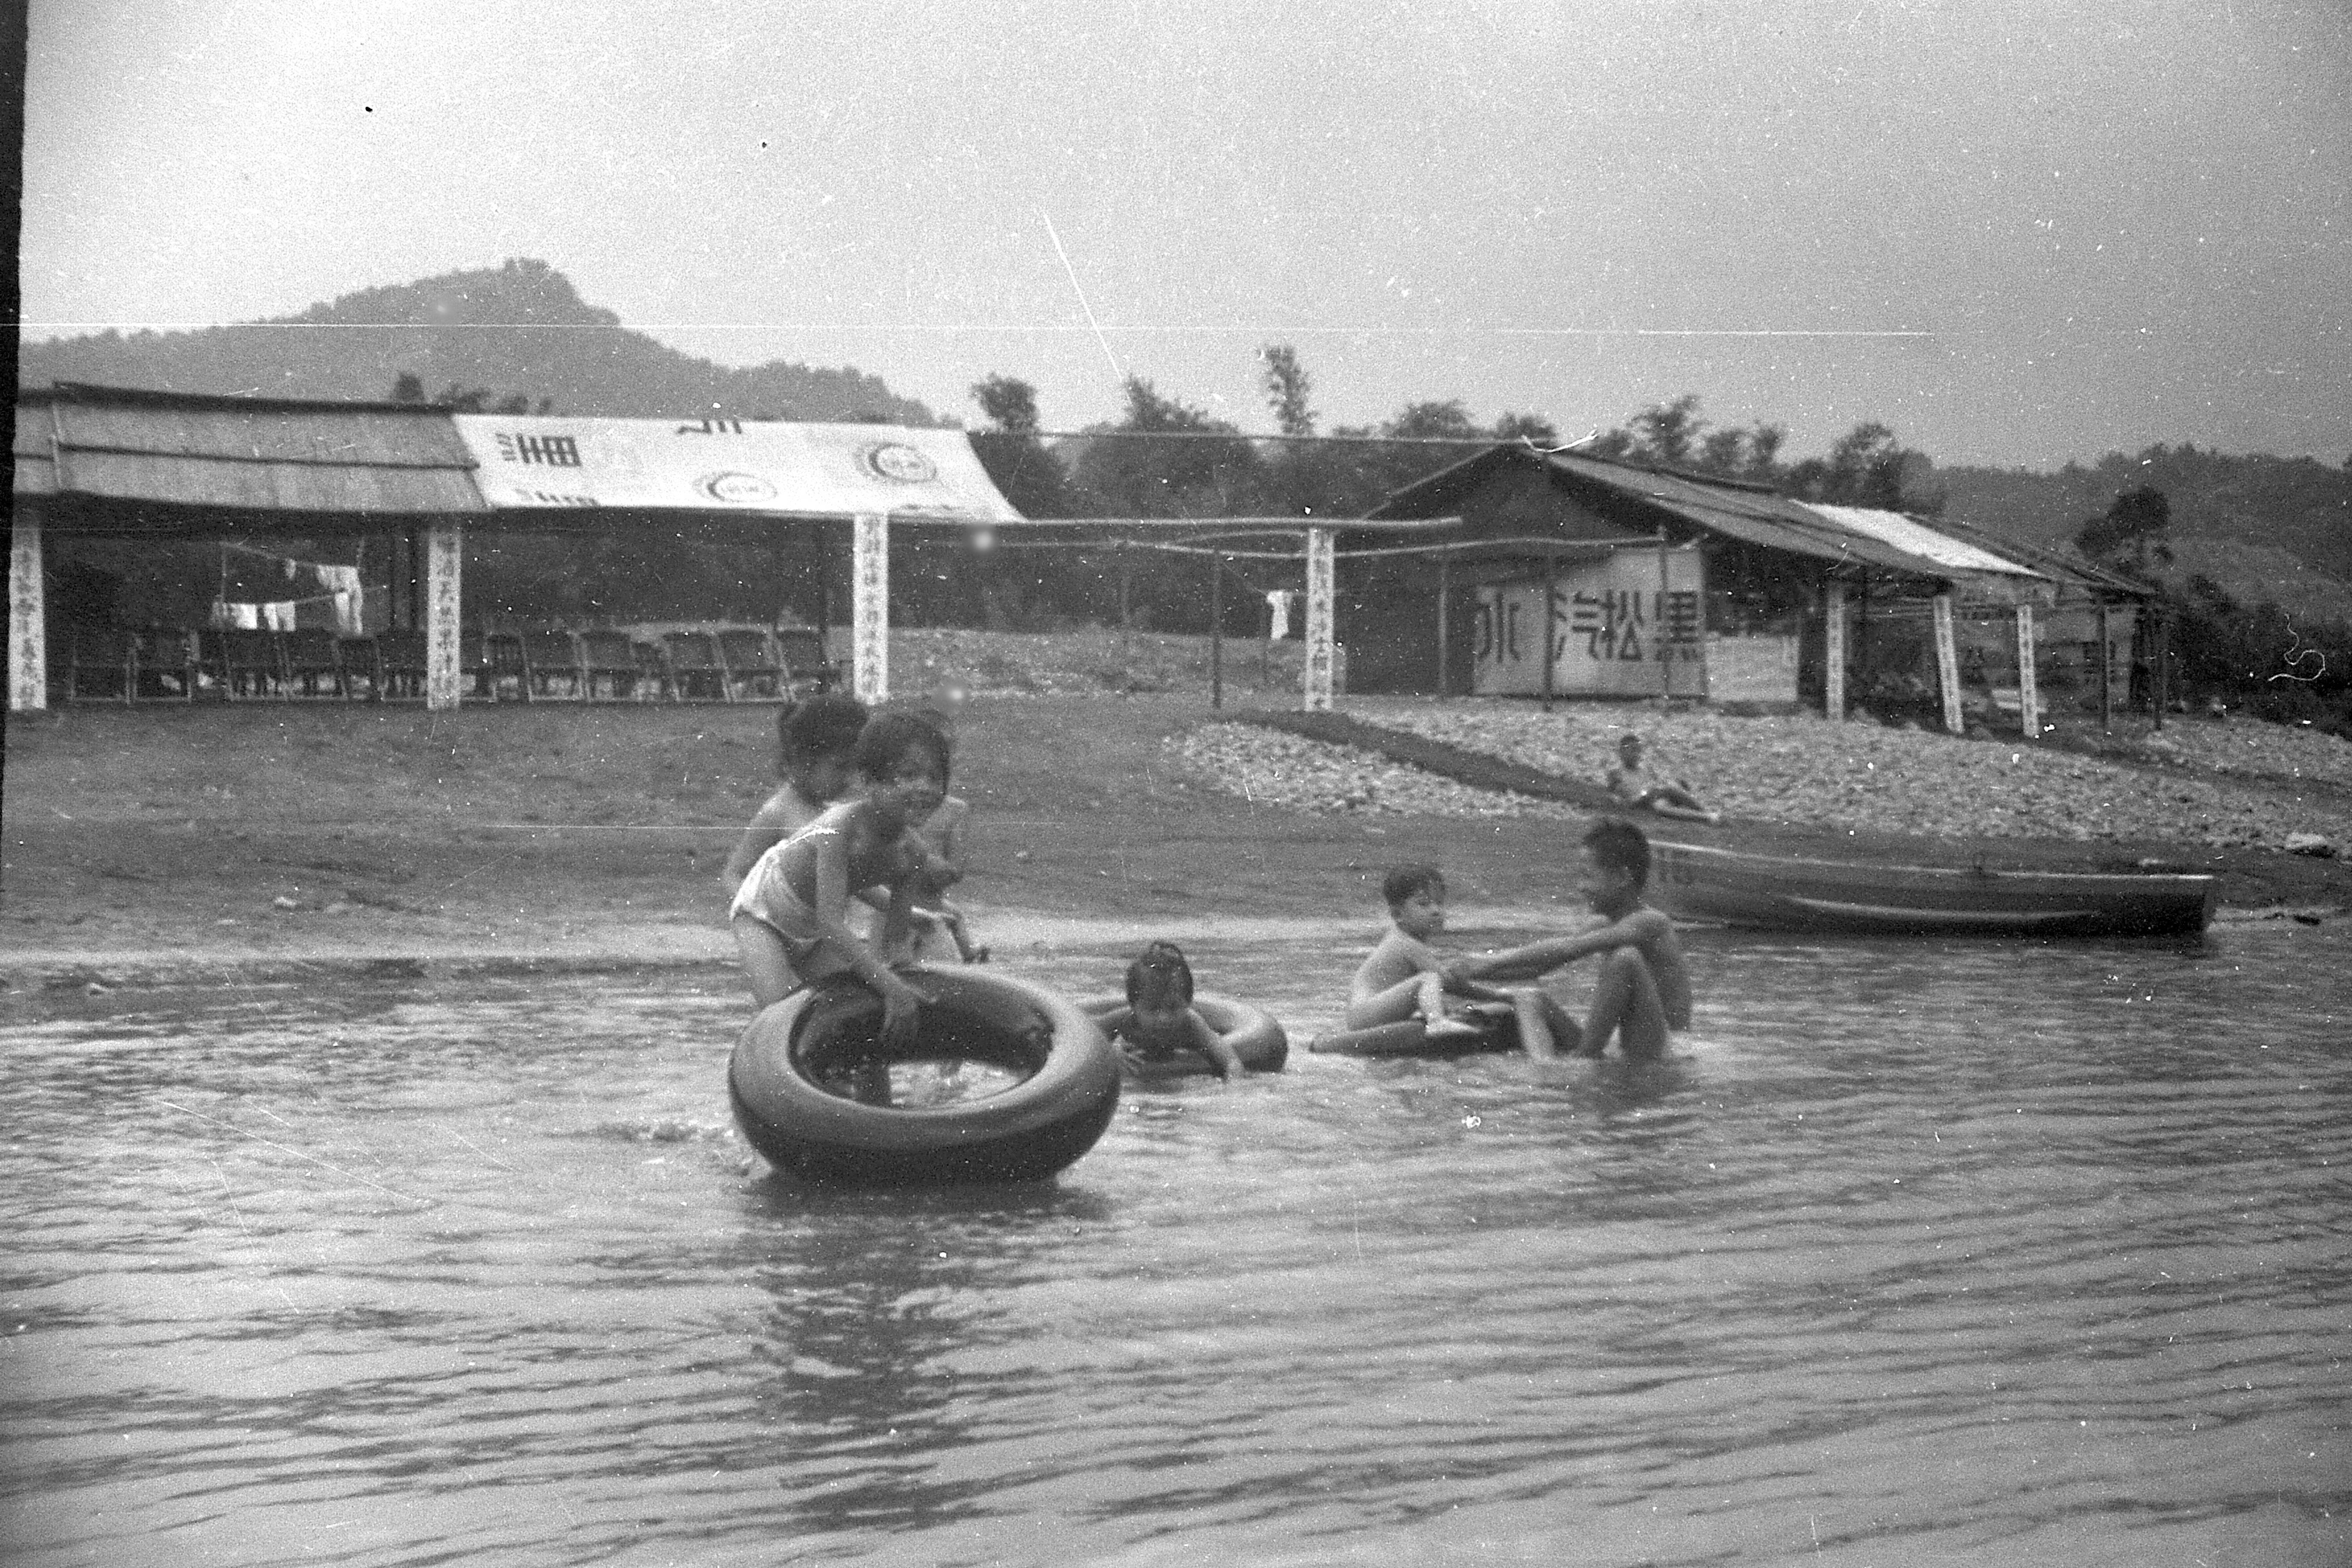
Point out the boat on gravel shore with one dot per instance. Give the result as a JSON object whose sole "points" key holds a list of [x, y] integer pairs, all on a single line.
{"points": [[1779, 892]]}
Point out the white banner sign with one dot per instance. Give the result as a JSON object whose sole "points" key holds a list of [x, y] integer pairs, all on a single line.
{"points": [[731, 465], [1619, 628]]}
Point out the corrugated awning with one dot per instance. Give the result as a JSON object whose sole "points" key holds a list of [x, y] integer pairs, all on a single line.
{"points": [[160, 452], [1913, 537], [1752, 514]]}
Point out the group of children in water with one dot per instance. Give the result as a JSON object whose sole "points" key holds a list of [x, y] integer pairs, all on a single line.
{"points": [[845, 872]]}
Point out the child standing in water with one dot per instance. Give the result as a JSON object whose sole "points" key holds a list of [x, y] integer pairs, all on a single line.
{"points": [[816, 742], [1158, 1021], [789, 915]]}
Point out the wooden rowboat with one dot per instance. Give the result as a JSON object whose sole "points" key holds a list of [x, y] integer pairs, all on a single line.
{"points": [[1778, 892]]}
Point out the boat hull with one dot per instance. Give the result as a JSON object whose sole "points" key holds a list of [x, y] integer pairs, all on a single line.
{"points": [[1775, 892]]}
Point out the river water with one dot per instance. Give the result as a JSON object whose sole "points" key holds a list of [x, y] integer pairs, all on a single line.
{"points": [[1916, 1253]]}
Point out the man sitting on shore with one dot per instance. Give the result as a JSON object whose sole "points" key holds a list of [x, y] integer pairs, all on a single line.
{"points": [[1643, 991], [1634, 784]]}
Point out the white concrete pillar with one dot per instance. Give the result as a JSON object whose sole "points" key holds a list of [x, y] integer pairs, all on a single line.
{"points": [[2028, 690], [28, 632], [444, 554], [870, 609], [1316, 679], [1834, 652], [1948, 663]]}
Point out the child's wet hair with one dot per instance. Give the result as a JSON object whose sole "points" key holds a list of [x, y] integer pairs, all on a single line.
{"points": [[1403, 881], [1619, 845], [888, 739], [818, 728], [1158, 976]]}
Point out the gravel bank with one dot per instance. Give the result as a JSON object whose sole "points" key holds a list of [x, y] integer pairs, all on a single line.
{"points": [[1803, 770]]}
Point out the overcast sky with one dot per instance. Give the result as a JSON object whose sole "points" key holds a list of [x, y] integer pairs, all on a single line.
{"points": [[2016, 239]]}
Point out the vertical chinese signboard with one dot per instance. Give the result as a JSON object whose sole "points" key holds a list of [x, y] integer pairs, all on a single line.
{"points": [[1627, 625]]}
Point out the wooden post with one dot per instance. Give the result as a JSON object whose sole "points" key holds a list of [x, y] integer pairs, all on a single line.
{"points": [[444, 554], [870, 609], [1321, 657], [821, 546], [1948, 663], [28, 632], [1126, 588], [1833, 651], [1216, 631], [1658, 622], [1543, 629], [2029, 688], [1445, 592], [2160, 677], [2106, 674]]}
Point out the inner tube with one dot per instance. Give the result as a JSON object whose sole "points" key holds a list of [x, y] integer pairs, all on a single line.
{"points": [[797, 1074], [1498, 1031], [1253, 1033]]}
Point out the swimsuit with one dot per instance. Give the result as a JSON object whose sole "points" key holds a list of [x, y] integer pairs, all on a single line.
{"points": [[767, 896]]}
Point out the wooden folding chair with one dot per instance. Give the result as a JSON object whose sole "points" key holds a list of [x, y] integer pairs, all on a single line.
{"points": [[311, 656], [753, 667], [806, 670], [168, 665], [652, 668], [494, 662], [103, 657], [251, 663], [399, 666], [548, 658], [695, 669], [608, 660]]}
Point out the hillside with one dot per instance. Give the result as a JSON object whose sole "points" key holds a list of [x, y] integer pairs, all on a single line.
{"points": [[2263, 528], [520, 329]]}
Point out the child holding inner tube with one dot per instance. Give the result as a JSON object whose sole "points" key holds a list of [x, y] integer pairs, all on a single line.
{"points": [[789, 915], [1403, 978], [1158, 1021], [816, 744], [1642, 992]]}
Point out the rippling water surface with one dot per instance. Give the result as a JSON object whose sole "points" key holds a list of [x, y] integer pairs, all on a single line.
{"points": [[1915, 1254]]}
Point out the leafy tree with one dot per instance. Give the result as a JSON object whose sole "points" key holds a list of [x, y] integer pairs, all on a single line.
{"points": [[1286, 386], [407, 388], [1009, 405], [2134, 530], [1665, 432], [1532, 429]]}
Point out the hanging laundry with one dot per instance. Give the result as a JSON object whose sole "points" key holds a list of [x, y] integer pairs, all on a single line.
{"points": [[1277, 604], [236, 616]]}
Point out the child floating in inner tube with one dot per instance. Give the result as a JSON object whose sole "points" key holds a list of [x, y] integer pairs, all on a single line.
{"points": [[1403, 978], [790, 915], [1158, 1022]]}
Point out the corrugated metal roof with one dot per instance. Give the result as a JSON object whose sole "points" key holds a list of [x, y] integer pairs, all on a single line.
{"points": [[1915, 538], [1753, 514], [180, 449]]}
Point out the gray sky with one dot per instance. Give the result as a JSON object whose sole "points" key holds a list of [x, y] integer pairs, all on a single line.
{"points": [[2125, 223]]}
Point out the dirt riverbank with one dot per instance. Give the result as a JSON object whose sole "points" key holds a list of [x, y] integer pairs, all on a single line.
{"points": [[291, 833]]}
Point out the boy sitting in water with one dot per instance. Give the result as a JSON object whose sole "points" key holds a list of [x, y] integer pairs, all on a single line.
{"points": [[1158, 1021], [1403, 978], [1642, 992], [1641, 791], [789, 915]]}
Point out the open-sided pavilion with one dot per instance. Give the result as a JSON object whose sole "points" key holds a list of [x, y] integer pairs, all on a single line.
{"points": [[106, 462]]}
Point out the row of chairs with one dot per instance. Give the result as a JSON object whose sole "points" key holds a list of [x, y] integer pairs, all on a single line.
{"points": [[166, 664]]}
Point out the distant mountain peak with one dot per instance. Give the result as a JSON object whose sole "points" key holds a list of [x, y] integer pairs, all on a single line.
{"points": [[522, 293], [515, 330]]}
